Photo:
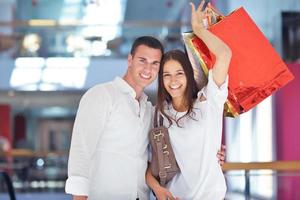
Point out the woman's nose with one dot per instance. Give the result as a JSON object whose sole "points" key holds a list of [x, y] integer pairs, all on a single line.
{"points": [[173, 79]]}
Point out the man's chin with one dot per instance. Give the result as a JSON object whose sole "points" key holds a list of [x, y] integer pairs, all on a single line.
{"points": [[146, 82]]}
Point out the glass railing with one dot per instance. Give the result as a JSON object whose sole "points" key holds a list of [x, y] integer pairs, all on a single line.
{"points": [[263, 180], [35, 172], [6, 182]]}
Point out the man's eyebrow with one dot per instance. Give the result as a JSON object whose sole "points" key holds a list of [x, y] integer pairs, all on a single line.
{"points": [[143, 58]]}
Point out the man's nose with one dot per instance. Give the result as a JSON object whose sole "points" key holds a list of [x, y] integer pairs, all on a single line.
{"points": [[147, 67]]}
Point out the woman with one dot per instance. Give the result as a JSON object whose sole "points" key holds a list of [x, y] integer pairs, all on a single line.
{"points": [[194, 117]]}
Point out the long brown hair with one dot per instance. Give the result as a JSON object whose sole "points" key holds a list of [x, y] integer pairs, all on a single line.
{"points": [[190, 94]]}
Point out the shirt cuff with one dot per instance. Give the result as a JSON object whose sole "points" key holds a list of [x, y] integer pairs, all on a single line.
{"points": [[76, 185], [213, 86], [216, 94]]}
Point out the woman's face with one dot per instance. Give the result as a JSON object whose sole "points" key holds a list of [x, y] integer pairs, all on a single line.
{"points": [[174, 79]]}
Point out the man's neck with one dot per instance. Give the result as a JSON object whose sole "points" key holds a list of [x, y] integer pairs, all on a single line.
{"points": [[137, 89]]}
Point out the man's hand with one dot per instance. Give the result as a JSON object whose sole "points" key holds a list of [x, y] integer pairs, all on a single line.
{"points": [[221, 155], [79, 197]]}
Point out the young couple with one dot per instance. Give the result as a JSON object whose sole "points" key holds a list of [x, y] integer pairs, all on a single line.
{"points": [[109, 148]]}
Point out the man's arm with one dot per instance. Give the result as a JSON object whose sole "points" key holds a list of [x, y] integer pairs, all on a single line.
{"points": [[88, 127], [79, 197]]}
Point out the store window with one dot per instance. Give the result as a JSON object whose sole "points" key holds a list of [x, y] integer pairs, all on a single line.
{"points": [[250, 138]]}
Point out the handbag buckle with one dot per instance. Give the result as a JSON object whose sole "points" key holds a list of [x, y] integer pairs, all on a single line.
{"points": [[162, 174], [168, 166], [157, 135]]}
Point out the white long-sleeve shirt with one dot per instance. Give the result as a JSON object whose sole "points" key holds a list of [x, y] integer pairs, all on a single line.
{"points": [[108, 154], [196, 144]]}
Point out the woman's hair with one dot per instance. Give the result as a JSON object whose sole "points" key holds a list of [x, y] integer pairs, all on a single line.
{"points": [[190, 94]]}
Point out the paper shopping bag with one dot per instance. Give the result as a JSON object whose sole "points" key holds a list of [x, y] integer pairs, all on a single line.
{"points": [[256, 70]]}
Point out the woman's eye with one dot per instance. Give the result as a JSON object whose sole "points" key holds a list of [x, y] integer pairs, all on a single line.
{"points": [[166, 75]]}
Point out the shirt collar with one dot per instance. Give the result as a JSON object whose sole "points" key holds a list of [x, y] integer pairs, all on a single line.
{"points": [[126, 88]]}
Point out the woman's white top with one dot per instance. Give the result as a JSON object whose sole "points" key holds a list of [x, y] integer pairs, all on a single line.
{"points": [[196, 144]]}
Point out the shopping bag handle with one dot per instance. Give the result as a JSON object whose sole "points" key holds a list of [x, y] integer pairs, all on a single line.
{"points": [[216, 11], [205, 4], [212, 8]]}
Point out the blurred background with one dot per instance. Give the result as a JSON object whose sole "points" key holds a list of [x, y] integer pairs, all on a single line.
{"points": [[52, 51]]}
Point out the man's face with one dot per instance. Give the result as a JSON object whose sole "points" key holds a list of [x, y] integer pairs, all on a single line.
{"points": [[143, 66]]}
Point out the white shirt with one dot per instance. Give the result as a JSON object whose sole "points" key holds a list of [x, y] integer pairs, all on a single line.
{"points": [[108, 154], [196, 144]]}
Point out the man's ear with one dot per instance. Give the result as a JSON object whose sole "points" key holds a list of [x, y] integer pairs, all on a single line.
{"points": [[129, 60]]}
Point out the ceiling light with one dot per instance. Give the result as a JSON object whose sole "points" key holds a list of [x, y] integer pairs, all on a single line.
{"points": [[32, 42]]}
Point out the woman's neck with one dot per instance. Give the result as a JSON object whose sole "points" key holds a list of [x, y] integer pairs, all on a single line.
{"points": [[179, 104]]}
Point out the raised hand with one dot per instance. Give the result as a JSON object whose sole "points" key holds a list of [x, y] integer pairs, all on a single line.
{"points": [[215, 45], [198, 17]]}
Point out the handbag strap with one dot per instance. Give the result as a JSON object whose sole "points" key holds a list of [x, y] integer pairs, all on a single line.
{"points": [[162, 172], [161, 119], [162, 155]]}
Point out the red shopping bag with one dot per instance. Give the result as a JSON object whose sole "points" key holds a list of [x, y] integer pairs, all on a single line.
{"points": [[256, 70]]}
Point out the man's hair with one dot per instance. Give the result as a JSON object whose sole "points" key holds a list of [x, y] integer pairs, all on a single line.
{"points": [[148, 41]]}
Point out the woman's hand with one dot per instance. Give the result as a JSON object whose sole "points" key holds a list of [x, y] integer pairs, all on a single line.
{"points": [[162, 193], [215, 45], [198, 17]]}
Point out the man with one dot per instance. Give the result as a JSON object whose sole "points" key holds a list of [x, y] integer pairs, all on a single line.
{"points": [[108, 155]]}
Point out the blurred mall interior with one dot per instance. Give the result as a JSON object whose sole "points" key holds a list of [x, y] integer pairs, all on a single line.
{"points": [[52, 51]]}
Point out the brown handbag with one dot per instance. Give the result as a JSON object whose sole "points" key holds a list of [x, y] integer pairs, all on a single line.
{"points": [[163, 162]]}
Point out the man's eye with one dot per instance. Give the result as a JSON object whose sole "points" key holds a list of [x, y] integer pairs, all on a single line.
{"points": [[156, 64]]}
